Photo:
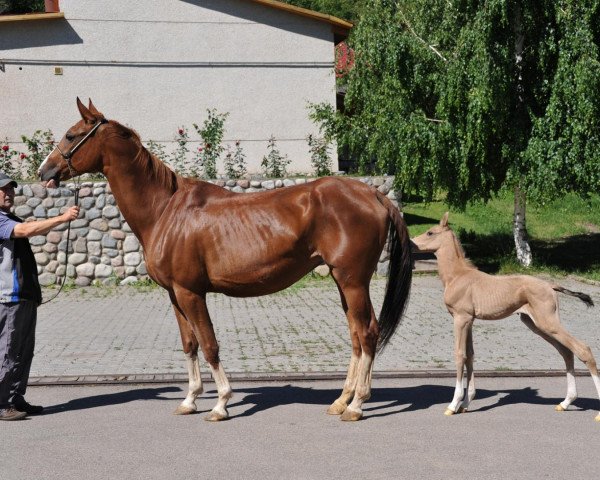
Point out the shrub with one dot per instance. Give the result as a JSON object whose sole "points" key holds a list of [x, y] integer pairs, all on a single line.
{"points": [[274, 163], [212, 135], [235, 164], [319, 156]]}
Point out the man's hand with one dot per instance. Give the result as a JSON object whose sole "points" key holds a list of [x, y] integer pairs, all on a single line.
{"points": [[71, 214]]}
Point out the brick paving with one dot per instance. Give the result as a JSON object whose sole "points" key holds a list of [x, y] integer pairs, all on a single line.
{"points": [[123, 331]]}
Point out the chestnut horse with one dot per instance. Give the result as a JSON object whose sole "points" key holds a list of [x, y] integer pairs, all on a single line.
{"points": [[470, 294], [198, 238]]}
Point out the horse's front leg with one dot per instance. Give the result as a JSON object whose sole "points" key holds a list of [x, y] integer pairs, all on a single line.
{"points": [[462, 324], [470, 387], [190, 349], [196, 312]]}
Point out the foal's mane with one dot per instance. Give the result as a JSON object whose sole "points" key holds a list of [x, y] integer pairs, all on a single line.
{"points": [[460, 251], [150, 164]]}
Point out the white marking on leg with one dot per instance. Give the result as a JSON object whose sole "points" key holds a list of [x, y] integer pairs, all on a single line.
{"points": [[219, 412], [596, 379], [195, 381], [363, 384], [458, 396], [571, 391], [338, 407]]}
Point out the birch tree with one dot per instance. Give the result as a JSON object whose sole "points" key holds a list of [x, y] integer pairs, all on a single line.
{"points": [[472, 96]]}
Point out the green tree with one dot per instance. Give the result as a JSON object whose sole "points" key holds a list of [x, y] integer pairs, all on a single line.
{"points": [[474, 96], [21, 6]]}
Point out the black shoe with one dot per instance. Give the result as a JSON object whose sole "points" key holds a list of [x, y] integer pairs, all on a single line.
{"points": [[11, 413], [29, 409]]}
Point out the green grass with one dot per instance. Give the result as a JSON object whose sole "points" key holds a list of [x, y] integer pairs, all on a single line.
{"points": [[564, 234]]}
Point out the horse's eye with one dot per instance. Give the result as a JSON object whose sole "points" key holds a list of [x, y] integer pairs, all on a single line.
{"points": [[70, 137], [429, 234]]}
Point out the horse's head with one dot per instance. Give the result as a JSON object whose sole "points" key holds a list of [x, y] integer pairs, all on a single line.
{"points": [[79, 151], [434, 238]]}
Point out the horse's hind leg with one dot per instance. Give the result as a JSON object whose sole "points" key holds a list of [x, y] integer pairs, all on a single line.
{"points": [[340, 404], [552, 327], [568, 358], [195, 310], [362, 316], [190, 349]]}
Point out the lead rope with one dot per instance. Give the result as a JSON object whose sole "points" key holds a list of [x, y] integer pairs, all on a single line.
{"points": [[77, 187]]}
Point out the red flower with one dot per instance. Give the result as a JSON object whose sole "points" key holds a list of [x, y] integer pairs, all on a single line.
{"points": [[22, 156], [181, 131], [199, 149], [5, 148]]}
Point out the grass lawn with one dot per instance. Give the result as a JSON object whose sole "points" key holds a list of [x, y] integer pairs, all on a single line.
{"points": [[564, 235]]}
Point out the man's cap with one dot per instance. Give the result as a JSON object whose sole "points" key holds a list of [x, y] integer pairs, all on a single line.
{"points": [[6, 180]]}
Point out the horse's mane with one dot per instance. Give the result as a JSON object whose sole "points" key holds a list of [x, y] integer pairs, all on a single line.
{"points": [[151, 165], [460, 251]]}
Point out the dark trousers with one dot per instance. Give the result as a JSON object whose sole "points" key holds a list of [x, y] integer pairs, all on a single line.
{"points": [[17, 341]]}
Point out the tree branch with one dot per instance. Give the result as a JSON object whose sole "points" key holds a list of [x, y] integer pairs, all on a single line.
{"points": [[431, 47]]}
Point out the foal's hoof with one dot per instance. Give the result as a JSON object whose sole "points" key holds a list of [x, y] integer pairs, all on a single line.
{"points": [[214, 416], [184, 410], [449, 412], [351, 415], [559, 408], [336, 408]]}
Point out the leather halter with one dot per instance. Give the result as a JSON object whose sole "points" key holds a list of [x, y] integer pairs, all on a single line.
{"points": [[67, 156]]}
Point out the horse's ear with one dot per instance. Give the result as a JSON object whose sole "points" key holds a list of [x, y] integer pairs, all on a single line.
{"points": [[93, 110], [85, 113], [444, 220]]}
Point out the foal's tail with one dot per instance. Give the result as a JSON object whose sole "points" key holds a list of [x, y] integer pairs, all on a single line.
{"points": [[399, 279], [584, 297]]}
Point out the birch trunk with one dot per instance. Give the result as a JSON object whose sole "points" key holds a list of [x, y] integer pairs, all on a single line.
{"points": [[520, 229]]}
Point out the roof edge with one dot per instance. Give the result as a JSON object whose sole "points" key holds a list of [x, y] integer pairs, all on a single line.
{"points": [[340, 24]]}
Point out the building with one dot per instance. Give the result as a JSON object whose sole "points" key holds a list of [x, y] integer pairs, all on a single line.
{"points": [[158, 65]]}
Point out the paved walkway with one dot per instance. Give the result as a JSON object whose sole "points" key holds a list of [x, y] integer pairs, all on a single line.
{"points": [[126, 332]]}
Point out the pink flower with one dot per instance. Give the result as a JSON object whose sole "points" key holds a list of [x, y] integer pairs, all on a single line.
{"points": [[200, 149], [5, 148]]}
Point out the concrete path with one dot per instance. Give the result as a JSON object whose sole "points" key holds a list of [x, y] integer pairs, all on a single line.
{"points": [[280, 431], [94, 332]]}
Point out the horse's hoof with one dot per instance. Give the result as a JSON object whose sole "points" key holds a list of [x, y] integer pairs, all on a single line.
{"points": [[559, 408], [463, 410], [214, 416], [449, 412], [336, 408], [597, 418], [184, 410], [351, 415]]}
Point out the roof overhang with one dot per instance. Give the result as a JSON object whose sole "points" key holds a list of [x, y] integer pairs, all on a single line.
{"points": [[339, 26]]}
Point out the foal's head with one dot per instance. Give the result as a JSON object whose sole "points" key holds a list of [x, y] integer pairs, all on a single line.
{"points": [[435, 237], [78, 151]]}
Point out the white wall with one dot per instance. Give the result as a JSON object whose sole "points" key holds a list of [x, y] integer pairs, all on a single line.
{"points": [[156, 65]]}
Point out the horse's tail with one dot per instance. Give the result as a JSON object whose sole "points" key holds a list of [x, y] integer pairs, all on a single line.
{"points": [[399, 279], [584, 297]]}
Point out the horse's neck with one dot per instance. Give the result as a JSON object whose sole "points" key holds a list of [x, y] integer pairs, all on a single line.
{"points": [[141, 197], [451, 261]]}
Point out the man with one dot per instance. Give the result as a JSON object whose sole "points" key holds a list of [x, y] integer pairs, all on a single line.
{"points": [[20, 295]]}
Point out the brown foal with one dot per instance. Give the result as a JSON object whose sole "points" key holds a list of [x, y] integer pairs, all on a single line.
{"points": [[470, 294], [198, 238]]}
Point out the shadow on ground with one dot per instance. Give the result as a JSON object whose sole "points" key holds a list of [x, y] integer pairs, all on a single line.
{"points": [[384, 401]]}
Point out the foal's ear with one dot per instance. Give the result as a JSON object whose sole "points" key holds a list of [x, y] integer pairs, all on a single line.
{"points": [[444, 220], [85, 113]]}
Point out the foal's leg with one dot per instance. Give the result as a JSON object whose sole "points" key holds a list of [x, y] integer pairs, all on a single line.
{"points": [[362, 315], [340, 404], [464, 406], [194, 308], [190, 349], [568, 358], [551, 326], [462, 324]]}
